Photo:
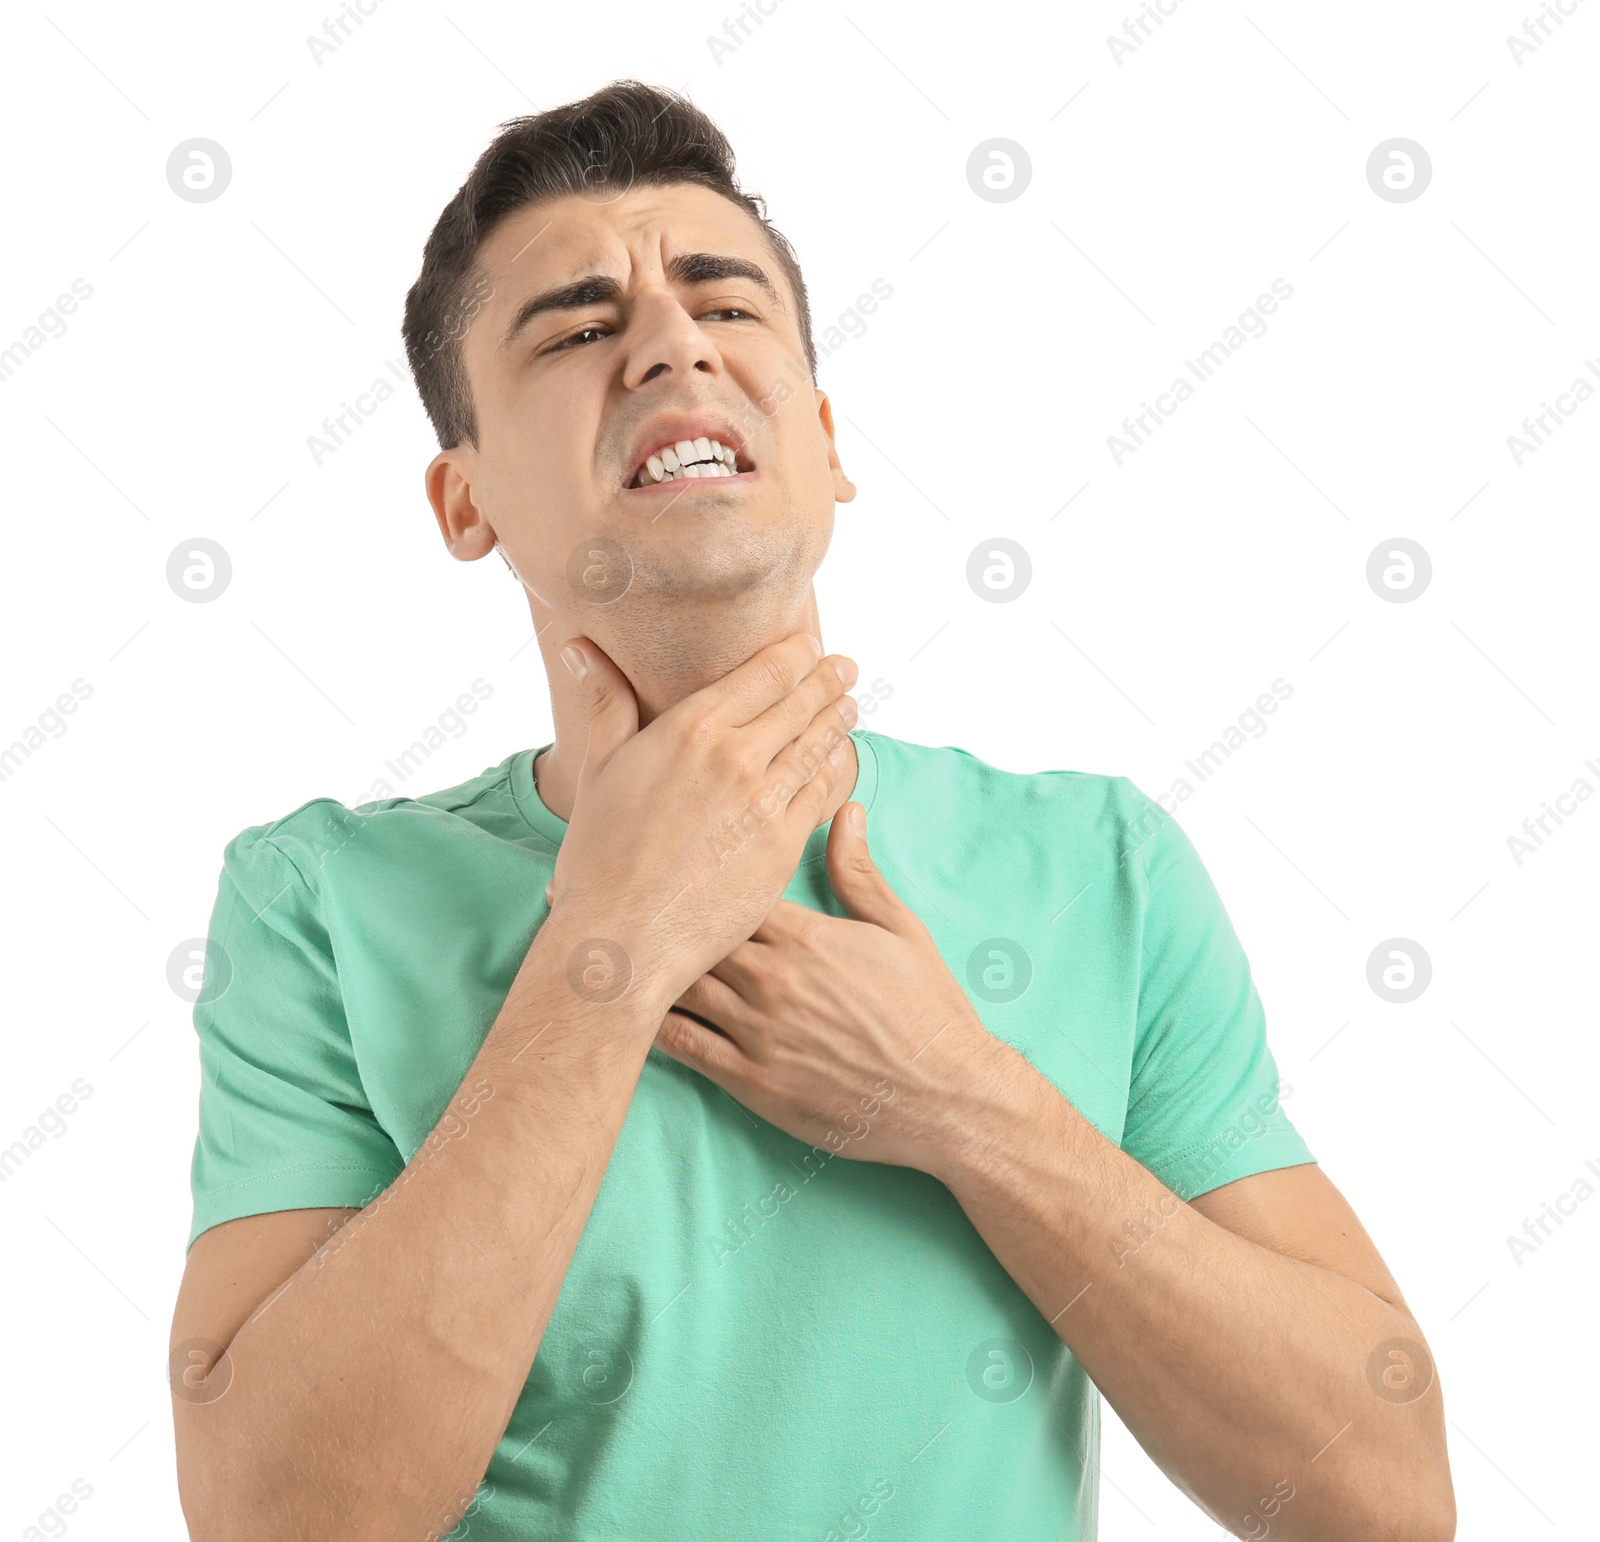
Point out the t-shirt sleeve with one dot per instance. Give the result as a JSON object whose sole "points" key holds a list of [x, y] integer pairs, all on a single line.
{"points": [[284, 1122], [1204, 1101]]}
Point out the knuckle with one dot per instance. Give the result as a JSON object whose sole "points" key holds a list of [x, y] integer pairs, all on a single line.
{"points": [[700, 730], [776, 674], [804, 933], [819, 746], [734, 759], [773, 795], [677, 1032], [818, 691], [819, 787]]}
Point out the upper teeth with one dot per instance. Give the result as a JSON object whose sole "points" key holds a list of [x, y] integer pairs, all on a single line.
{"points": [[700, 457]]}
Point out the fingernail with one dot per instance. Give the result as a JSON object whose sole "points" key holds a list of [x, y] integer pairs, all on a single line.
{"points": [[816, 644], [849, 671], [858, 818], [575, 660]]}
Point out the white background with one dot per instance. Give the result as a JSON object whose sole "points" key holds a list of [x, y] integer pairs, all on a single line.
{"points": [[1168, 592]]}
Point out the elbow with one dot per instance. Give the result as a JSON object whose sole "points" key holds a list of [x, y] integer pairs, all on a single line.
{"points": [[207, 1511], [1439, 1524], [220, 1487], [1416, 1508], [1380, 1499]]}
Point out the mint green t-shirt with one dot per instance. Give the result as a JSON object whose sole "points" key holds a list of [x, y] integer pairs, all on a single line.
{"points": [[755, 1338]]}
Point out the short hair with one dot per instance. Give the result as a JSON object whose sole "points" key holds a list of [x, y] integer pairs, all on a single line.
{"points": [[627, 134]]}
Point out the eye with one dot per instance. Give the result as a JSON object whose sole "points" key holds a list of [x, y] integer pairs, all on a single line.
{"points": [[568, 342], [575, 340]]}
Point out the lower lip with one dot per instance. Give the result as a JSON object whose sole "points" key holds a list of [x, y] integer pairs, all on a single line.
{"points": [[683, 484]]}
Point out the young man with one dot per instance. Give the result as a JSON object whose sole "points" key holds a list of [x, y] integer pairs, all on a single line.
{"points": [[624, 1144]]}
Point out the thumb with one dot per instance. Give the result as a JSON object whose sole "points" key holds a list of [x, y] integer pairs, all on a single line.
{"points": [[608, 695], [859, 886]]}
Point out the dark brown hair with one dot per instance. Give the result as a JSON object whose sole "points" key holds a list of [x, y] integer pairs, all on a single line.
{"points": [[625, 135]]}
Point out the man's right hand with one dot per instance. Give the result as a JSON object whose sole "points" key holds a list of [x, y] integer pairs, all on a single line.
{"points": [[684, 834]]}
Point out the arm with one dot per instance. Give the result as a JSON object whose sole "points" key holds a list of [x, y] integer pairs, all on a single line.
{"points": [[367, 1392], [1237, 1336], [1253, 1340], [364, 1397]]}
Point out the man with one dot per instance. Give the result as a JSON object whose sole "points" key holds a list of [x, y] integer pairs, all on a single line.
{"points": [[625, 1143]]}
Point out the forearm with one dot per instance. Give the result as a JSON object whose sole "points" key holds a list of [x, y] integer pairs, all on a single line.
{"points": [[367, 1395], [1235, 1367]]}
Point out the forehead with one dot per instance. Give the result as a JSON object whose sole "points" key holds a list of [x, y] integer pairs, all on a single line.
{"points": [[565, 238]]}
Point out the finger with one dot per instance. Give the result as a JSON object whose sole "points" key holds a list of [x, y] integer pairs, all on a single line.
{"points": [[825, 686], [808, 804], [746, 692], [787, 929], [692, 1044], [815, 755], [719, 1002], [779, 923], [607, 695], [856, 880]]}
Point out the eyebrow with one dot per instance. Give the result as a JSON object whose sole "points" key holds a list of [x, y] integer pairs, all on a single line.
{"points": [[601, 288]]}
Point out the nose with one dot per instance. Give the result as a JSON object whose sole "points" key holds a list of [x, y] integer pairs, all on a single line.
{"points": [[664, 339]]}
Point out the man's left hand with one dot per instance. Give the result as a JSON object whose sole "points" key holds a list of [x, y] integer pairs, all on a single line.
{"points": [[848, 1034]]}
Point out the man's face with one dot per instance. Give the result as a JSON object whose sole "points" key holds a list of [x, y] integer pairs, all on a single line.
{"points": [[620, 329]]}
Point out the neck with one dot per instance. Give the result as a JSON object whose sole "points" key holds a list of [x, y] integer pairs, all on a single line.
{"points": [[664, 663]]}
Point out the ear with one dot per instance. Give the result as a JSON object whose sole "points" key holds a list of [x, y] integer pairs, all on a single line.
{"points": [[844, 490], [448, 482]]}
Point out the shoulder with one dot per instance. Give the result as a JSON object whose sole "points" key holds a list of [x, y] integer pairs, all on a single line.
{"points": [[947, 782], [297, 848]]}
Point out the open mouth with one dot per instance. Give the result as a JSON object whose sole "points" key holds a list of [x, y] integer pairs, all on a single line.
{"points": [[690, 459]]}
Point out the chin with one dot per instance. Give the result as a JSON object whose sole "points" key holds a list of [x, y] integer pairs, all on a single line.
{"points": [[724, 563]]}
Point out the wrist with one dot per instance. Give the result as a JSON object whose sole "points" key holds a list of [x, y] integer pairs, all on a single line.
{"points": [[998, 1103], [601, 960]]}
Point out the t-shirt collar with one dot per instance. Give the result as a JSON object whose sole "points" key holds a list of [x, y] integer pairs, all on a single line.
{"points": [[552, 830]]}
